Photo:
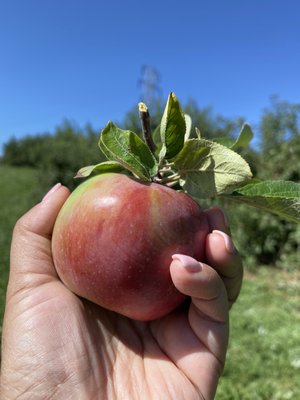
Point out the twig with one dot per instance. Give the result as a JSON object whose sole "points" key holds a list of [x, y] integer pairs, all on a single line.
{"points": [[145, 120]]}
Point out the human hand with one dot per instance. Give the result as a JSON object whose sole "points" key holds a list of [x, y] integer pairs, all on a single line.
{"points": [[56, 345]]}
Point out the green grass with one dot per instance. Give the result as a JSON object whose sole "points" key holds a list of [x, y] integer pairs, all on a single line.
{"points": [[263, 360], [19, 190]]}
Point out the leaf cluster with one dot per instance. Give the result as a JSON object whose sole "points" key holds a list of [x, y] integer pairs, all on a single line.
{"points": [[203, 168]]}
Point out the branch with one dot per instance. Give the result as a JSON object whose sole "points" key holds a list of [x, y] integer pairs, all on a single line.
{"points": [[145, 120]]}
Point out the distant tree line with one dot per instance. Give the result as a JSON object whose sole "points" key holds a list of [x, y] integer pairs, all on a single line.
{"points": [[261, 238]]}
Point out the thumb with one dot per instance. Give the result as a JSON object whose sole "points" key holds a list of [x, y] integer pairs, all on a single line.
{"points": [[31, 260]]}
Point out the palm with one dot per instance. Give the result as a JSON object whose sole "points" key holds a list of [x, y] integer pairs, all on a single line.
{"points": [[110, 356]]}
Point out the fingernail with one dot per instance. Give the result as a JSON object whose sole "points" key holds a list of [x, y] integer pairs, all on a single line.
{"points": [[227, 240], [189, 263], [51, 191]]}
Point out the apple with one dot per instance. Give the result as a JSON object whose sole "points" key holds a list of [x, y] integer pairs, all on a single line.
{"points": [[114, 239]]}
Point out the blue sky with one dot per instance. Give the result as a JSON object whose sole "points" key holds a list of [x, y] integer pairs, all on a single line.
{"points": [[81, 59]]}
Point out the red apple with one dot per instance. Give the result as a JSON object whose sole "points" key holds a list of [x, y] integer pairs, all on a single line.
{"points": [[114, 239]]}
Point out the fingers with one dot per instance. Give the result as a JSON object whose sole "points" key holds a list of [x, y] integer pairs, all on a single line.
{"points": [[203, 284], [222, 254], [31, 259], [40, 219], [208, 318], [217, 219], [209, 301]]}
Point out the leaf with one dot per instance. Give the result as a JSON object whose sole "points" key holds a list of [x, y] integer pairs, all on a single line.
{"points": [[188, 126], [242, 142], [129, 150], [162, 153], [172, 127], [156, 136], [106, 166], [198, 133], [243, 139], [224, 141], [279, 197], [208, 169]]}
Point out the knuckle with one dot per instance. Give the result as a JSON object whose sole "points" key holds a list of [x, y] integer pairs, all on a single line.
{"points": [[21, 226]]}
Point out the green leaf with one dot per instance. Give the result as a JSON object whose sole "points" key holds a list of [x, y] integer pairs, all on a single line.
{"points": [[279, 197], [198, 133], [208, 169], [129, 150], [243, 139], [156, 136], [106, 166], [224, 141], [172, 127], [242, 142], [162, 153], [188, 126]]}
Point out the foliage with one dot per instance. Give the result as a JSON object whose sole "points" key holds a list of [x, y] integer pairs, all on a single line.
{"points": [[211, 125], [206, 168], [57, 157], [279, 124], [260, 237], [263, 239]]}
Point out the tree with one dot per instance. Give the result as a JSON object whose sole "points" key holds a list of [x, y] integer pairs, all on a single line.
{"points": [[58, 156], [280, 135], [263, 238], [279, 123]]}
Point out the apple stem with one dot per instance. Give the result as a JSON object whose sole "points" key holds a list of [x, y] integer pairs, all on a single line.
{"points": [[166, 166], [168, 179], [146, 127]]}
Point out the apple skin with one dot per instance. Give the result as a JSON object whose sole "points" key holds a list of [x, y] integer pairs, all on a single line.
{"points": [[113, 242]]}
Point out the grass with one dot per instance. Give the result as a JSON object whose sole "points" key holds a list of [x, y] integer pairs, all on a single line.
{"points": [[19, 191], [263, 361]]}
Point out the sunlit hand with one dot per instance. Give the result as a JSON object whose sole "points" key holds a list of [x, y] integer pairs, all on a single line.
{"points": [[58, 346]]}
